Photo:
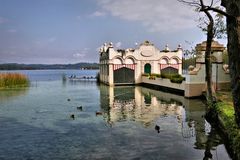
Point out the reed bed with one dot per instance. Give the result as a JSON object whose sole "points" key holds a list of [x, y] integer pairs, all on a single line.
{"points": [[8, 80]]}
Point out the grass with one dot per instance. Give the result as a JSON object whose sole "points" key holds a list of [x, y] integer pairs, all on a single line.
{"points": [[225, 96], [226, 116], [10, 80]]}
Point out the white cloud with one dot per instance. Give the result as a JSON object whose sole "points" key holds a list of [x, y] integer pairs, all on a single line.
{"points": [[98, 14], [85, 50], [118, 44], [156, 15], [79, 55]]}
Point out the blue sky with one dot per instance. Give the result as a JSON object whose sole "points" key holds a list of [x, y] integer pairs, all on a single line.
{"points": [[71, 31]]}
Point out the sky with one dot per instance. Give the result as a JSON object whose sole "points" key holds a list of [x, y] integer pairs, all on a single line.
{"points": [[71, 31]]}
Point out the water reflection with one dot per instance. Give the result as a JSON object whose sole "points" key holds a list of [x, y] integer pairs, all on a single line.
{"points": [[133, 123], [79, 82], [8, 94], [138, 104], [163, 112]]}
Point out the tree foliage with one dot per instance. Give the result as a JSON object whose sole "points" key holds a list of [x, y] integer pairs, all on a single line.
{"points": [[232, 13], [207, 24], [219, 28]]}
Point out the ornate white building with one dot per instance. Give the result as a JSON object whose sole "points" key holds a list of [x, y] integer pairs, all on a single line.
{"points": [[119, 67]]}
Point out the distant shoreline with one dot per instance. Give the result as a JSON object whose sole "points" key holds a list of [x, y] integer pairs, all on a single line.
{"points": [[45, 69], [77, 66]]}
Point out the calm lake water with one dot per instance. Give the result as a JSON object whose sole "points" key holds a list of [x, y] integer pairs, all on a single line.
{"points": [[132, 122]]}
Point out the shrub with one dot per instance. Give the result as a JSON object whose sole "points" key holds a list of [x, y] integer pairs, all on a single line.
{"points": [[156, 75], [145, 74], [177, 80], [152, 77], [164, 75], [174, 78], [13, 80]]}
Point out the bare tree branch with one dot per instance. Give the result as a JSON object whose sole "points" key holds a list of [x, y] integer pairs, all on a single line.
{"points": [[190, 3], [217, 11], [200, 4], [211, 3]]}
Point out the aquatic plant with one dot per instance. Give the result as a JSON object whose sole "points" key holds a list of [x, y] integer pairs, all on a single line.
{"points": [[8, 80]]}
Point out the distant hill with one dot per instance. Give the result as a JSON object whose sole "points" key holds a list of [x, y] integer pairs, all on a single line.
{"points": [[16, 66]]}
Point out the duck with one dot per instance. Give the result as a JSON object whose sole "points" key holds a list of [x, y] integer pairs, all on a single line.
{"points": [[157, 128], [72, 116], [80, 108], [68, 99], [98, 113]]}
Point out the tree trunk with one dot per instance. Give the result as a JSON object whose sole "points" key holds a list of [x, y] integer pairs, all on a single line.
{"points": [[210, 35], [233, 29], [233, 32]]}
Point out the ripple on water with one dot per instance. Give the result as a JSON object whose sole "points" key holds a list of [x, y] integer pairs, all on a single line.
{"points": [[37, 125]]}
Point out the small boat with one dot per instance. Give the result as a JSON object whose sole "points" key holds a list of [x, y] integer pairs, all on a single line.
{"points": [[75, 78]]}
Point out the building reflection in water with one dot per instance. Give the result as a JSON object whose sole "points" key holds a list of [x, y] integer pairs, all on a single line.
{"points": [[138, 104], [168, 111]]}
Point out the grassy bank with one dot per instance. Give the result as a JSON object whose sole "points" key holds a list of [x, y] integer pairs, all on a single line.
{"points": [[10, 80], [226, 118]]}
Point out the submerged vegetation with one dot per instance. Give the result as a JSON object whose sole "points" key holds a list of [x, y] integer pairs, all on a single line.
{"points": [[9, 80]]}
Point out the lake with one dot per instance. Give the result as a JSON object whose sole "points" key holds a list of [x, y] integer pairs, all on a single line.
{"points": [[55, 119]]}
